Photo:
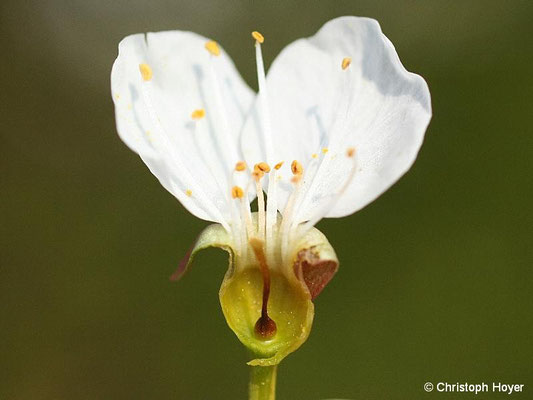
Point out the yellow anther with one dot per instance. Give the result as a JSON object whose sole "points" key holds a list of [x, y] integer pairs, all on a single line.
{"points": [[212, 48], [237, 192], [297, 168], [262, 166], [146, 72], [314, 155], [188, 192], [346, 61], [257, 174], [240, 166], [325, 150], [258, 37], [117, 96], [278, 165], [350, 152], [198, 114]]}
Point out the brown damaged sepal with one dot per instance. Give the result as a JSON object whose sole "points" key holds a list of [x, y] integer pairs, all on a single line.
{"points": [[315, 272], [316, 264], [213, 236]]}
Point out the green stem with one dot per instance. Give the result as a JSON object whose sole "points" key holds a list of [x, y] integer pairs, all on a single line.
{"points": [[262, 383]]}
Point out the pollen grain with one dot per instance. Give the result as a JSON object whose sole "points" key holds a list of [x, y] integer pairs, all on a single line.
{"points": [[237, 192], [346, 61], [240, 166], [146, 72], [297, 168], [212, 47], [198, 114], [262, 166]]}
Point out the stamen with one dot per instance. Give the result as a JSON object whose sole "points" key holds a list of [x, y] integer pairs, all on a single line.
{"points": [[245, 210], [146, 72], [271, 208], [240, 166], [228, 153], [346, 61], [257, 175], [265, 327], [297, 168], [237, 192], [286, 222], [262, 166], [342, 107], [258, 37], [212, 48], [198, 114], [188, 192], [350, 153], [314, 155]]}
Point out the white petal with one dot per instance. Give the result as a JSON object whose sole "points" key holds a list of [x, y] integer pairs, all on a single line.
{"points": [[374, 105], [192, 159]]}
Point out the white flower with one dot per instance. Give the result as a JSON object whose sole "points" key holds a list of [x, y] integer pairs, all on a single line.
{"points": [[336, 122]]}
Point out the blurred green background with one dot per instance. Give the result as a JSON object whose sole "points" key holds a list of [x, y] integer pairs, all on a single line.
{"points": [[436, 280]]}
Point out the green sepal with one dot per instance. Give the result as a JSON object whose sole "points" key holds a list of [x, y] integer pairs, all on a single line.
{"points": [[213, 236]]}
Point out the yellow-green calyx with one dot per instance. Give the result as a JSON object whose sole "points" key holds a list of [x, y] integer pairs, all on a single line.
{"points": [[267, 297]]}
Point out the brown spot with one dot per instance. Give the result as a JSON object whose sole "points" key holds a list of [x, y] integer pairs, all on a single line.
{"points": [[315, 272]]}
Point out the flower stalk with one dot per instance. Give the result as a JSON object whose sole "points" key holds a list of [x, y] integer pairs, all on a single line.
{"points": [[262, 384]]}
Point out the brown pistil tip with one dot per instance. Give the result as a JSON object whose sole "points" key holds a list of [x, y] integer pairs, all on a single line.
{"points": [[265, 328]]}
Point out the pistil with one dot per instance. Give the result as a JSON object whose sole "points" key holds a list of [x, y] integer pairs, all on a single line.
{"points": [[265, 327]]}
